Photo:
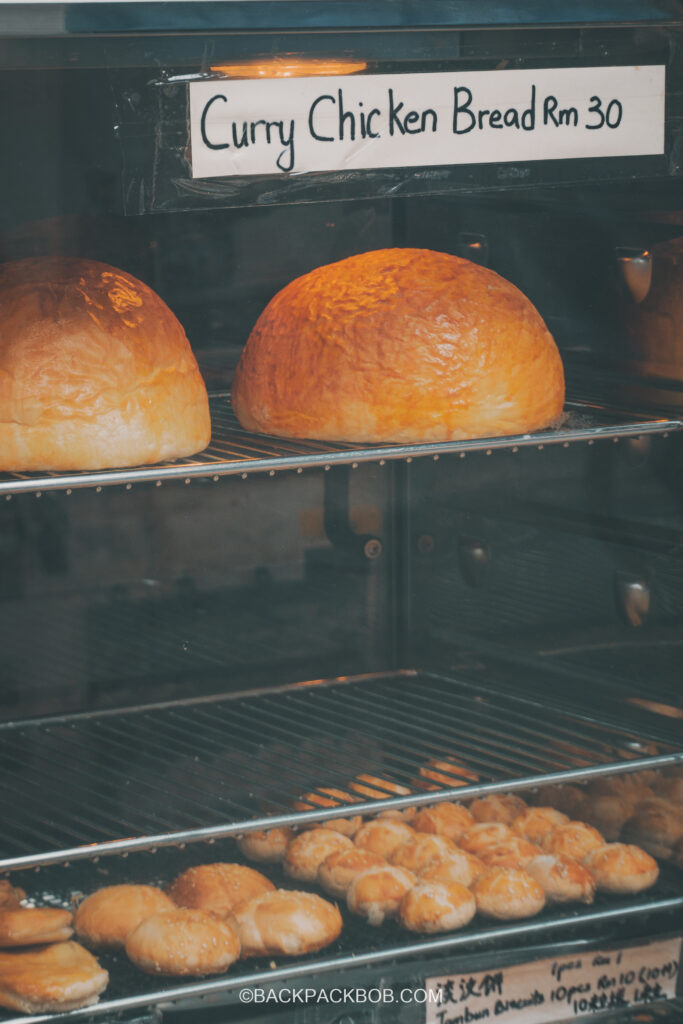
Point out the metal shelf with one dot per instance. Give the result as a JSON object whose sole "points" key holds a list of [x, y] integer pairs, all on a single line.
{"points": [[79, 786], [234, 451]]}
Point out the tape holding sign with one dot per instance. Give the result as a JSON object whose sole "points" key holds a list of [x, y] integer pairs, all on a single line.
{"points": [[558, 989], [301, 125]]}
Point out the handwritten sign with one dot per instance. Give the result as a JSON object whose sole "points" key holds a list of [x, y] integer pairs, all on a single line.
{"points": [[299, 125], [552, 990]]}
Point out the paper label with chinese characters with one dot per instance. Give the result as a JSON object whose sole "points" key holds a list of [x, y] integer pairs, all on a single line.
{"points": [[558, 989], [335, 123]]}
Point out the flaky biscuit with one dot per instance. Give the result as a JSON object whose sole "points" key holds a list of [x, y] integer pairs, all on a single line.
{"points": [[484, 834], [576, 839], [562, 879], [183, 942], [420, 850], [431, 907], [459, 866], [286, 923], [622, 868], [307, 851], [383, 836], [219, 888], [48, 979], [508, 894], [535, 823], [265, 846], [106, 917], [503, 807], [446, 819], [377, 893], [337, 871], [33, 926]]}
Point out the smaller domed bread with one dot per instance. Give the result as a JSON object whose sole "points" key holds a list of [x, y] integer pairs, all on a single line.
{"points": [[512, 853], [562, 879], [31, 926], [106, 918], [439, 773], [608, 813], [383, 836], [503, 807], [575, 840], [620, 868], [431, 907], [477, 838], [218, 888], [337, 871], [630, 787], [307, 851], [286, 923], [568, 799], [536, 823], [446, 819], [377, 893], [265, 846], [183, 942], [508, 894], [422, 849], [656, 825], [459, 866], [330, 798]]}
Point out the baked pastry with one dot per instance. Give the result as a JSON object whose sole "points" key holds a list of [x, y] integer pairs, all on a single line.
{"points": [[446, 819], [630, 787], [484, 834], [219, 888], [377, 893], [536, 823], [96, 371], [459, 866], [32, 926], [562, 879], [265, 846], [620, 868], [657, 826], [575, 839], [337, 871], [330, 798], [383, 836], [503, 807], [183, 942], [399, 345], [511, 853], [670, 788], [431, 907], [286, 923], [567, 798], [106, 918], [444, 773], [10, 895], [50, 979], [420, 850], [508, 894], [307, 851], [608, 813]]}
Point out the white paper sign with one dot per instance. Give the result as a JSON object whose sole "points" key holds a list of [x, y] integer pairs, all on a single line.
{"points": [[552, 990], [298, 125]]}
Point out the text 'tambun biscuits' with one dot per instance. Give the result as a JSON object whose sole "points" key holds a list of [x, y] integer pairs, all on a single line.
{"points": [[657, 826], [503, 807], [608, 813], [575, 840], [445, 819], [431, 907], [50, 979], [32, 926], [337, 871], [265, 846], [383, 836], [286, 923], [562, 879], [377, 893], [508, 894], [442, 773], [325, 798], [536, 823], [422, 849], [183, 942], [307, 851], [621, 868], [511, 853], [459, 866], [219, 888], [107, 917], [484, 834]]}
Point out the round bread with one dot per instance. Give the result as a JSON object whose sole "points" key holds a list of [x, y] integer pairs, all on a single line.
{"points": [[219, 888], [95, 371], [575, 840], [436, 907], [630, 787], [307, 851], [286, 923], [383, 836], [671, 789], [536, 823], [620, 868], [459, 866], [265, 846], [106, 918], [477, 838], [399, 345], [337, 871], [511, 853], [657, 826], [562, 879], [503, 807], [31, 926], [508, 894], [446, 819], [422, 849], [183, 942], [608, 813], [330, 798], [377, 893]]}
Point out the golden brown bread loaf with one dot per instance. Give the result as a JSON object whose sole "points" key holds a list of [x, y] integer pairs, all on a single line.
{"points": [[95, 371], [399, 345]]}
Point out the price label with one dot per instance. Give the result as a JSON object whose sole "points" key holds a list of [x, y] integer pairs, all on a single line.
{"points": [[557, 989], [299, 125]]}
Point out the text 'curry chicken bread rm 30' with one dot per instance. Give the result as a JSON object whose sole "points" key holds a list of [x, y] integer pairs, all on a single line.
{"points": [[95, 371], [399, 345]]}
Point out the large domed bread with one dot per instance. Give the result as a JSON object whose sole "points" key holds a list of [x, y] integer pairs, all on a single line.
{"points": [[399, 345], [95, 371]]}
